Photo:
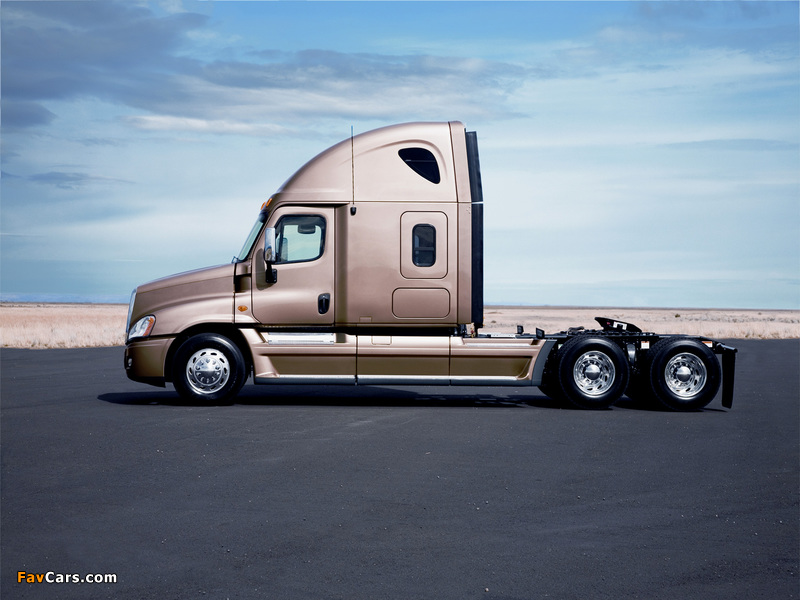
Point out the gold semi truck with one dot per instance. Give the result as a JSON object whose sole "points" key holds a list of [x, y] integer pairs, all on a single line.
{"points": [[366, 267]]}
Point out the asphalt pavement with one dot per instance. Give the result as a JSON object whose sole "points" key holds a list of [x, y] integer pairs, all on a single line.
{"points": [[392, 493]]}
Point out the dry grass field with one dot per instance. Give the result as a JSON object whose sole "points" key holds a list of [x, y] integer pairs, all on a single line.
{"points": [[86, 325], [718, 324], [36, 325]]}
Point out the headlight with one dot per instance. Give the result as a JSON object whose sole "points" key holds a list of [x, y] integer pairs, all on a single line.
{"points": [[142, 328]]}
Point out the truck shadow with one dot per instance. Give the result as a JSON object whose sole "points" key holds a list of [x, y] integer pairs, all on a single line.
{"points": [[369, 396]]}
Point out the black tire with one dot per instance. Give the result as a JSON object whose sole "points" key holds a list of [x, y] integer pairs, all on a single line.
{"points": [[684, 374], [591, 372], [208, 367], [549, 386], [639, 388]]}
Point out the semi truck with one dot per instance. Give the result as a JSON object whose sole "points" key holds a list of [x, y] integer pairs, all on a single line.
{"points": [[366, 268]]}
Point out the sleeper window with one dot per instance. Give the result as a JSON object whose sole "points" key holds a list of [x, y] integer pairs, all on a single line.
{"points": [[422, 162], [424, 245]]}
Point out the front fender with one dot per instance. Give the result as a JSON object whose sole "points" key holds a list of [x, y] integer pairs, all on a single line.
{"points": [[186, 300]]}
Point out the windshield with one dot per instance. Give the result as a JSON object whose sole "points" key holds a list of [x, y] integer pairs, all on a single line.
{"points": [[251, 237]]}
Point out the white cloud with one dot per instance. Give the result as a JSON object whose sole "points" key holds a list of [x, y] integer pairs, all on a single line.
{"points": [[169, 123]]}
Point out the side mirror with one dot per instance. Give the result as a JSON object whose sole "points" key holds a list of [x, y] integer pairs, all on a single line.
{"points": [[269, 245], [270, 254]]}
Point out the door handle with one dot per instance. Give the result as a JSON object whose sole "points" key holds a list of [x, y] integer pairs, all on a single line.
{"points": [[323, 303]]}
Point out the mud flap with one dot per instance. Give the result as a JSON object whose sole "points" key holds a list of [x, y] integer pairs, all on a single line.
{"points": [[728, 372]]}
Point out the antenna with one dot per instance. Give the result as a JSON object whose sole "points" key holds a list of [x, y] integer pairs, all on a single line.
{"points": [[352, 174]]}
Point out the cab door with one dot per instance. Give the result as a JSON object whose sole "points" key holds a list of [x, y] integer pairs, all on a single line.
{"points": [[303, 291]]}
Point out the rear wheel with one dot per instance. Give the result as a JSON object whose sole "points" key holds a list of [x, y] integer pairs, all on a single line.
{"points": [[208, 368], [684, 374], [591, 372]]}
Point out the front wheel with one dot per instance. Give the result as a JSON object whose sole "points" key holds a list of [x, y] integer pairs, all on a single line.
{"points": [[591, 372], [684, 373], [208, 368]]}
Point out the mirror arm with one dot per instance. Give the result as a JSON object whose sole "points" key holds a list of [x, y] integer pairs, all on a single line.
{"points": [[272, 274]]}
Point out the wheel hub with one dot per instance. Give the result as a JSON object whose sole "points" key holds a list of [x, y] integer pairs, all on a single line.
{"points": [[594, 373], [685, 375], [207, 370]]}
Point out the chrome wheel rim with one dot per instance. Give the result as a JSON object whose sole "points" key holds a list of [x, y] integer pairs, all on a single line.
{"points": [[594, 373], [208, 370], [685, 375]]}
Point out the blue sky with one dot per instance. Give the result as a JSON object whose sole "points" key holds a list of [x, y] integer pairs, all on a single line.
{"points": [[633, 154]]}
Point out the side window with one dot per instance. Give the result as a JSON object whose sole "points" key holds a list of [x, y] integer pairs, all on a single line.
{"points": [[423, 248], [423, 245], [299, 238]]}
